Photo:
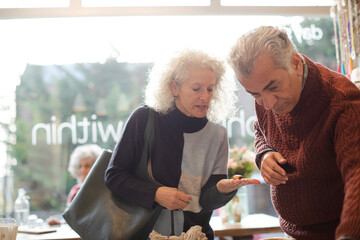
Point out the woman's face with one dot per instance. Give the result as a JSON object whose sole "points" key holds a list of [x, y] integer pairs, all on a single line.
{"points": [[84, 168], [193, 96]]}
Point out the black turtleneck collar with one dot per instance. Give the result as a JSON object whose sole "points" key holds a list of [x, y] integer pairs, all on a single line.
{"points": [[184, 123]]}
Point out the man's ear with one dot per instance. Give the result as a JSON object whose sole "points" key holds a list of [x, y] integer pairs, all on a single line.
{"points": [[174, 88], [296, 63]]}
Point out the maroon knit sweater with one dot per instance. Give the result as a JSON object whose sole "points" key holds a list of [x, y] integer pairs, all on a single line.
{"points": [[320, 139]]}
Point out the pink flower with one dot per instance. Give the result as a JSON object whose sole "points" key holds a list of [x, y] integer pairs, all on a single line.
{"points": [[241, 161], [243, 150], [232, 164], [234, 150]]}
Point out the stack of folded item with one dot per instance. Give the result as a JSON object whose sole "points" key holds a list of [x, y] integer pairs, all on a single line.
{"points": [[194, 233]]}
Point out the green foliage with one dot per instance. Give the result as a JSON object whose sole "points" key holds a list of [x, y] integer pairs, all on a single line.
{"points": [[46, 92], [323, 50]]}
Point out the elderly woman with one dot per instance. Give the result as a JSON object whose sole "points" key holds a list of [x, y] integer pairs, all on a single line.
{"points": [[81, 161], [189, 95]]}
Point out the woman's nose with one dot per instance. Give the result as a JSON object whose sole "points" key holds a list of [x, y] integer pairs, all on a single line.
{"points": [[83, 169], [206, 96]]}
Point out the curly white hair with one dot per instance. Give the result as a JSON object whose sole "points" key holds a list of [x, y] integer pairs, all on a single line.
{"points": [[88, 151], [158, 94]]}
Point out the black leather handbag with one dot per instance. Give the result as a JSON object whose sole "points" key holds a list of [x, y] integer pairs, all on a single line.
{"points": [[97, 214]]}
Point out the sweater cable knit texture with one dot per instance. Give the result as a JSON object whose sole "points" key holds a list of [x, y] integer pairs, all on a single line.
{"points": [[320, 139]]}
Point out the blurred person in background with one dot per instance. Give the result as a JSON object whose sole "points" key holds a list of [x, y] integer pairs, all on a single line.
{"points": [[81, 161]]}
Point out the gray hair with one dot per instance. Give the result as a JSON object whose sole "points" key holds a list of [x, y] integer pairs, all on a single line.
{"points": [[88, 151], [158, 94], [262, 40]]}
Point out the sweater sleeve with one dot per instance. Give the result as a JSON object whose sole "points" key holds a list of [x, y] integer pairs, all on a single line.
{"points": [[120, 174], [260, 144], [347, 148], [210, 197]]}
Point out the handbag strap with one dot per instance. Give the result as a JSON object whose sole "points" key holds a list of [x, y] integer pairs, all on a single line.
{"points": [[149, 142]]}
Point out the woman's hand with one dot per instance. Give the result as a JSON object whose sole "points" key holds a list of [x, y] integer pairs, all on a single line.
{"points": [[226, 186], [172, 198]]}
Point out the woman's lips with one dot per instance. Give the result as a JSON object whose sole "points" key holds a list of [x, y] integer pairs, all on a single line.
{"points": [[202, 107]]}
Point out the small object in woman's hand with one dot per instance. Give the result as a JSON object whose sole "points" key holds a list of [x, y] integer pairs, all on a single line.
{"points": [[237, 176]]}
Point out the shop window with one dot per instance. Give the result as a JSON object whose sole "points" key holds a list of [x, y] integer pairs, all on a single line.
{"points": [[81, 78]]}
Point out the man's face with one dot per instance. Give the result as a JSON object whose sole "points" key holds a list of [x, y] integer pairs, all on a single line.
{"points": [[274, 88]]}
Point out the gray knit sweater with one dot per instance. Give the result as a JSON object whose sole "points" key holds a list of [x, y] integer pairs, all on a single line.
{"points": [[190, 154]]}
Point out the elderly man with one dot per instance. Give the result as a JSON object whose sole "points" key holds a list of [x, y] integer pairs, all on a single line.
{"points": [[307, 136]]}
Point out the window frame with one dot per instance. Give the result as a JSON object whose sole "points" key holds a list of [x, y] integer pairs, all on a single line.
{"points": [[75, 9]]}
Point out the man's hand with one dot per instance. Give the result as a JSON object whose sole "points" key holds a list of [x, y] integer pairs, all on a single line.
{"points": [[226, 186], [270, 169], [172, 198]]}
